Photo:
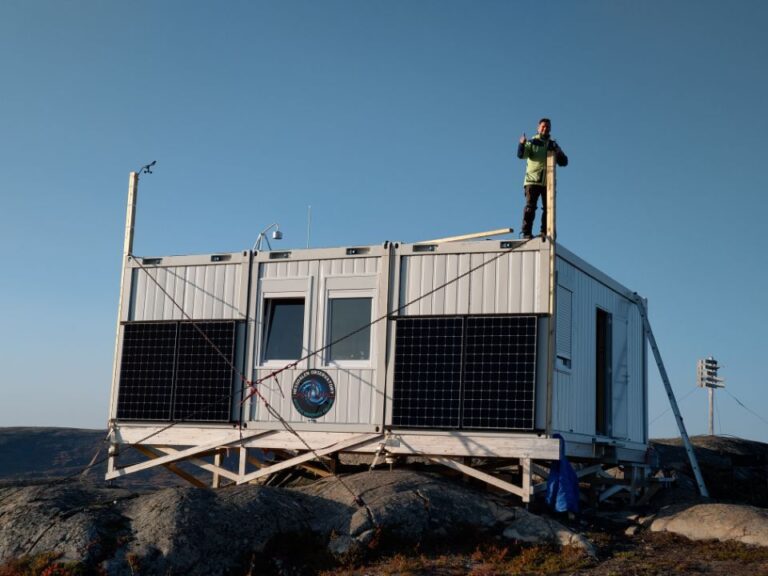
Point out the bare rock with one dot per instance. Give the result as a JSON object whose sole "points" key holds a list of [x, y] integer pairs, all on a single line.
{"points": [[530, 528], [405, 505], [75, 520], [736, 522], [194, 531]]}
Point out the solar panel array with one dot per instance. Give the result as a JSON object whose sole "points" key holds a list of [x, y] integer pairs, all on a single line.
{"points": [[500, 372], [427, 389], [169, 371], [146, 371], [476, 372]]}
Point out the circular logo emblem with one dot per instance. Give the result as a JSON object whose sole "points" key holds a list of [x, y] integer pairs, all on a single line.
{"points": [[313, 393]]}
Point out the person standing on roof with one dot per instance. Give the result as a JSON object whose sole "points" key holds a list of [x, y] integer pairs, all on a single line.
{"points": [[535, 184]]}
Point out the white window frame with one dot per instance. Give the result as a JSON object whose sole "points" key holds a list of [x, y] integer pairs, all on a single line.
{"points": [[348, 287], [282, 289]]}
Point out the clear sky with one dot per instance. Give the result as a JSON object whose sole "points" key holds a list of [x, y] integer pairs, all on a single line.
{"points": [[394, 120]]}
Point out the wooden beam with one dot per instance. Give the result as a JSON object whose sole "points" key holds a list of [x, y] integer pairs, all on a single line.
{"points": [[323, 473], [487, 478], [589, 470], [217, 464], [216, 470], [290, 463], [525, 464], [181, 455], [152, 455], [471, 236]]}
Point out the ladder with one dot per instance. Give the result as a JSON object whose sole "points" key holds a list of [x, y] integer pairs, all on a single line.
{"points": [[671, 395]]}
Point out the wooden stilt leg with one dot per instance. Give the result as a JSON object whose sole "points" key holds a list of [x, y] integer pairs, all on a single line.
{"points": [[215, 483], [525, 467]]}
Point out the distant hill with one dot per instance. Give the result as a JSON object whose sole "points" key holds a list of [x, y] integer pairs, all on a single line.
{"points": [[45, 452], [29, 455]]}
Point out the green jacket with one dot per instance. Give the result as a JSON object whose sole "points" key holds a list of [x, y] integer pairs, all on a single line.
{"points": [[535, 152]]}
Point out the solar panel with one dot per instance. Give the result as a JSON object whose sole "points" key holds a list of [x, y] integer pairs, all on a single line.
{"points": [[427, 378], [499, 373], [146, 371], [169, 371], [203, 376], [475, 372]]}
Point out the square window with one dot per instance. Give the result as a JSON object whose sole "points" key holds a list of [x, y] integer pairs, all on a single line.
{"points": [[283, 329], [345, 316]]}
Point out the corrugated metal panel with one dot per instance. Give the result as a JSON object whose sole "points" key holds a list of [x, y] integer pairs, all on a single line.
{"points": [[506, 285], [564, 331], [203, 292], [574, 395], [355, 397], [330, 267]]}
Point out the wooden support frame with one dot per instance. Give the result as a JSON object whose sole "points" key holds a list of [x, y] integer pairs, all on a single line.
{"points": [[215, 468], [176, 456], [523, 491], [149, 453], [310, 455]]}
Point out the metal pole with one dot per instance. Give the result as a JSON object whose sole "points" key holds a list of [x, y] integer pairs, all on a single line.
{"points": [[551, 233], [711, 410], [672, 401]]}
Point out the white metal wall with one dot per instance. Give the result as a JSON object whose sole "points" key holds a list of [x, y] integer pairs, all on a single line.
{"points": [[510, 284], [204, 290], [359, 389], [574, 395]]}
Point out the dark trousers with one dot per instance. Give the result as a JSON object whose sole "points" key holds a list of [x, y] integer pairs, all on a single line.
{"points": [[532, 194]]}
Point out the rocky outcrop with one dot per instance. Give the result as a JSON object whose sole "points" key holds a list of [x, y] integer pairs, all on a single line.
{"points": [[735, 522], [196, 531]]}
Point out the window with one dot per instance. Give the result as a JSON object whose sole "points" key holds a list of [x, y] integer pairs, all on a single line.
{"points": [[345, 316], [283, 328]]}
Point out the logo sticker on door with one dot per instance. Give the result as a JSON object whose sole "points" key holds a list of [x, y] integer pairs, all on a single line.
{"points": [[313, 393]]}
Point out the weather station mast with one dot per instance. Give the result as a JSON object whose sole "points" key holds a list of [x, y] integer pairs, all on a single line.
{"points": [[706, 377]]}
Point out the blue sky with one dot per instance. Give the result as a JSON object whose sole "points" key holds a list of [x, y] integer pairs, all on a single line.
{"points": [[395, 121]]}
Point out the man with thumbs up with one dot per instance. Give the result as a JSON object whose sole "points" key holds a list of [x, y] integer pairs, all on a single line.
{"points": [[535, 183]]}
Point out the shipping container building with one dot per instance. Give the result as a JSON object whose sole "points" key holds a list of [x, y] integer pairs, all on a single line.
{"points": [[452, 351]]}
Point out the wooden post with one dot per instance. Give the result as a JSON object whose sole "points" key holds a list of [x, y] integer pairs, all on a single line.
{"points": [[130, 215], [551, 234], [525, 469], [216, 482], [551, 196]]}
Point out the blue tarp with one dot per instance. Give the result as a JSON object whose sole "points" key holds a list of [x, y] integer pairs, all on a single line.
{"points": [[562, 483]]}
